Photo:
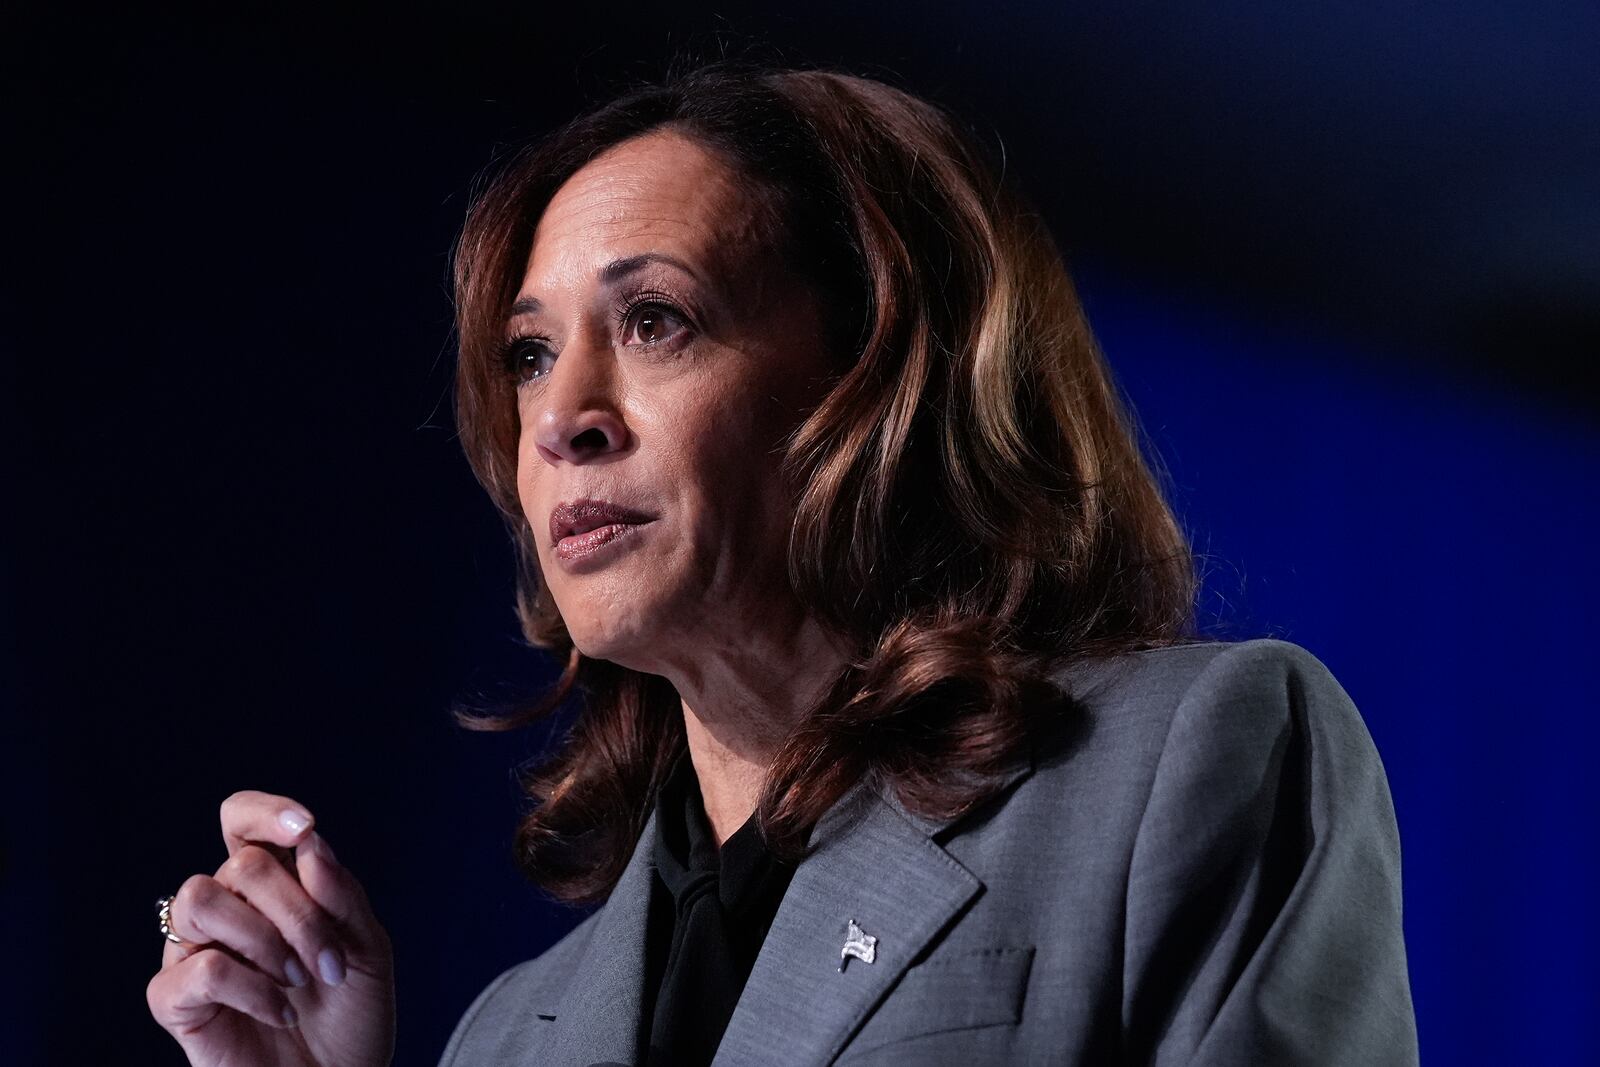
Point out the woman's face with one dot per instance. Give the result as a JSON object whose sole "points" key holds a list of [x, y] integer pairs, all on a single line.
{"points": [[662, 354]]}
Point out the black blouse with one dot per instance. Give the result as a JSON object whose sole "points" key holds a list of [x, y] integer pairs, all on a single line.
{"points": [[709, 914]]}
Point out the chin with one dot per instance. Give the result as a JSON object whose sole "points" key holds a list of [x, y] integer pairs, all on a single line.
{"points": [[621, 616], [625, 646]]}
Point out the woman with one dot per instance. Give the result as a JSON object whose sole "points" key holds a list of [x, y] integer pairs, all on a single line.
{"points": [[895, 744]]}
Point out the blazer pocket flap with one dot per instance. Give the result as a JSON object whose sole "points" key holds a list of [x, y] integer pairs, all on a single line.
{"points": [[971, 989]]}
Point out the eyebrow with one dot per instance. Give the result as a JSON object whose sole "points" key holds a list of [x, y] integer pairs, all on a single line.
{"points": [[610, 274]]}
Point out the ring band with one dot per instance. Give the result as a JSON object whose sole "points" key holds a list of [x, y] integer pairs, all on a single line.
{"points": [[164, 909]]}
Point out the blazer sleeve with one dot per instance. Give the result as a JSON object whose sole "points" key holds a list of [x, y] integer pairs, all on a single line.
{"points": [[1263, 900]]}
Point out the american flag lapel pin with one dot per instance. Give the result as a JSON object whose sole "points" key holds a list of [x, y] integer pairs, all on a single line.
{"points": [[858, 943]]}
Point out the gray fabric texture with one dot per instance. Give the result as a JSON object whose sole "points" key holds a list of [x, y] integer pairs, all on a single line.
{"points": [[1207, 872]]}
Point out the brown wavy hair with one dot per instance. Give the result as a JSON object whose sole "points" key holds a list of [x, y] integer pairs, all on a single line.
{"points": [[972, 505]]}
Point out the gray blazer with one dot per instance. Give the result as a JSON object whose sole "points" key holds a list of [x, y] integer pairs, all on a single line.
{"points": [[1208, 873]]}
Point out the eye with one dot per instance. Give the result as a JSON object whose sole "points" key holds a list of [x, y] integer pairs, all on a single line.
{"points": [[650, 322], [527, 359]]}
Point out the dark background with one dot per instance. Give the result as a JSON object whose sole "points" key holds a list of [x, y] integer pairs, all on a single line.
{"points": [[1345, 260]]}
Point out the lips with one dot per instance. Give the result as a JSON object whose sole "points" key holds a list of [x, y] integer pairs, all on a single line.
{"points": [[579, 517]]}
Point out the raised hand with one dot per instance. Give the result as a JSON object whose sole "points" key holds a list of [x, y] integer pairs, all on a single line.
{"points": [[282, 960]]}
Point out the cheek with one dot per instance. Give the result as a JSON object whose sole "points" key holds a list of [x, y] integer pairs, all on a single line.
{"points": [[726, 442], [530, 472], [727, 461]]}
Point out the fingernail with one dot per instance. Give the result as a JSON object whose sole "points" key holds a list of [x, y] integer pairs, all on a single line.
{"points": [[289, 1016], [297, 974], [331, 966], [324, 850], [293, 821]]}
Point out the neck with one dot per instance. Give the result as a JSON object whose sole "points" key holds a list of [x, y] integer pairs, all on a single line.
{"points": [[740, 703]]}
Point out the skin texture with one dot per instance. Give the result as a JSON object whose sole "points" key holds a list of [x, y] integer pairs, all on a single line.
{"points": [[678, 409]]}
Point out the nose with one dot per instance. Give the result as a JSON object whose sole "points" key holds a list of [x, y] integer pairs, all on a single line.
{"points": [[577, 419]]}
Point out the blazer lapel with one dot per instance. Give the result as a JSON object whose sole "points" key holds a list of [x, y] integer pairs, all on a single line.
{"points": [[878, 866], [873, 862], [599, 1018]]}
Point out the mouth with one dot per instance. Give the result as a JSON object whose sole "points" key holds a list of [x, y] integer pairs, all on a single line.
{"points": [[581, 527]]}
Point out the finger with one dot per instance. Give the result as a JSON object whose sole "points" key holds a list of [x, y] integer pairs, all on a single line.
{"points": [[206, 910], [252, 817], [177, 951], [263, 885], [185, 997], [341, 895]]}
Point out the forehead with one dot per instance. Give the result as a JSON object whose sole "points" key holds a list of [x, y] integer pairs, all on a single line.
{"points": [[660, 192]]}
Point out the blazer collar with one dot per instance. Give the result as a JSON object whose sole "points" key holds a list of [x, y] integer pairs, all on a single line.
{"points": [[598, 1020], [873, 862]]}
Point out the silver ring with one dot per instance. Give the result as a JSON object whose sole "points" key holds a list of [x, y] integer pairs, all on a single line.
{"points": [[164, 909]]}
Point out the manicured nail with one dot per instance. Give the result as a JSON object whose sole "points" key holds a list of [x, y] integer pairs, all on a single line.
{"points": [[331, 966], [293, 821], [297, 974], [289, 1016], [323, 849]]}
